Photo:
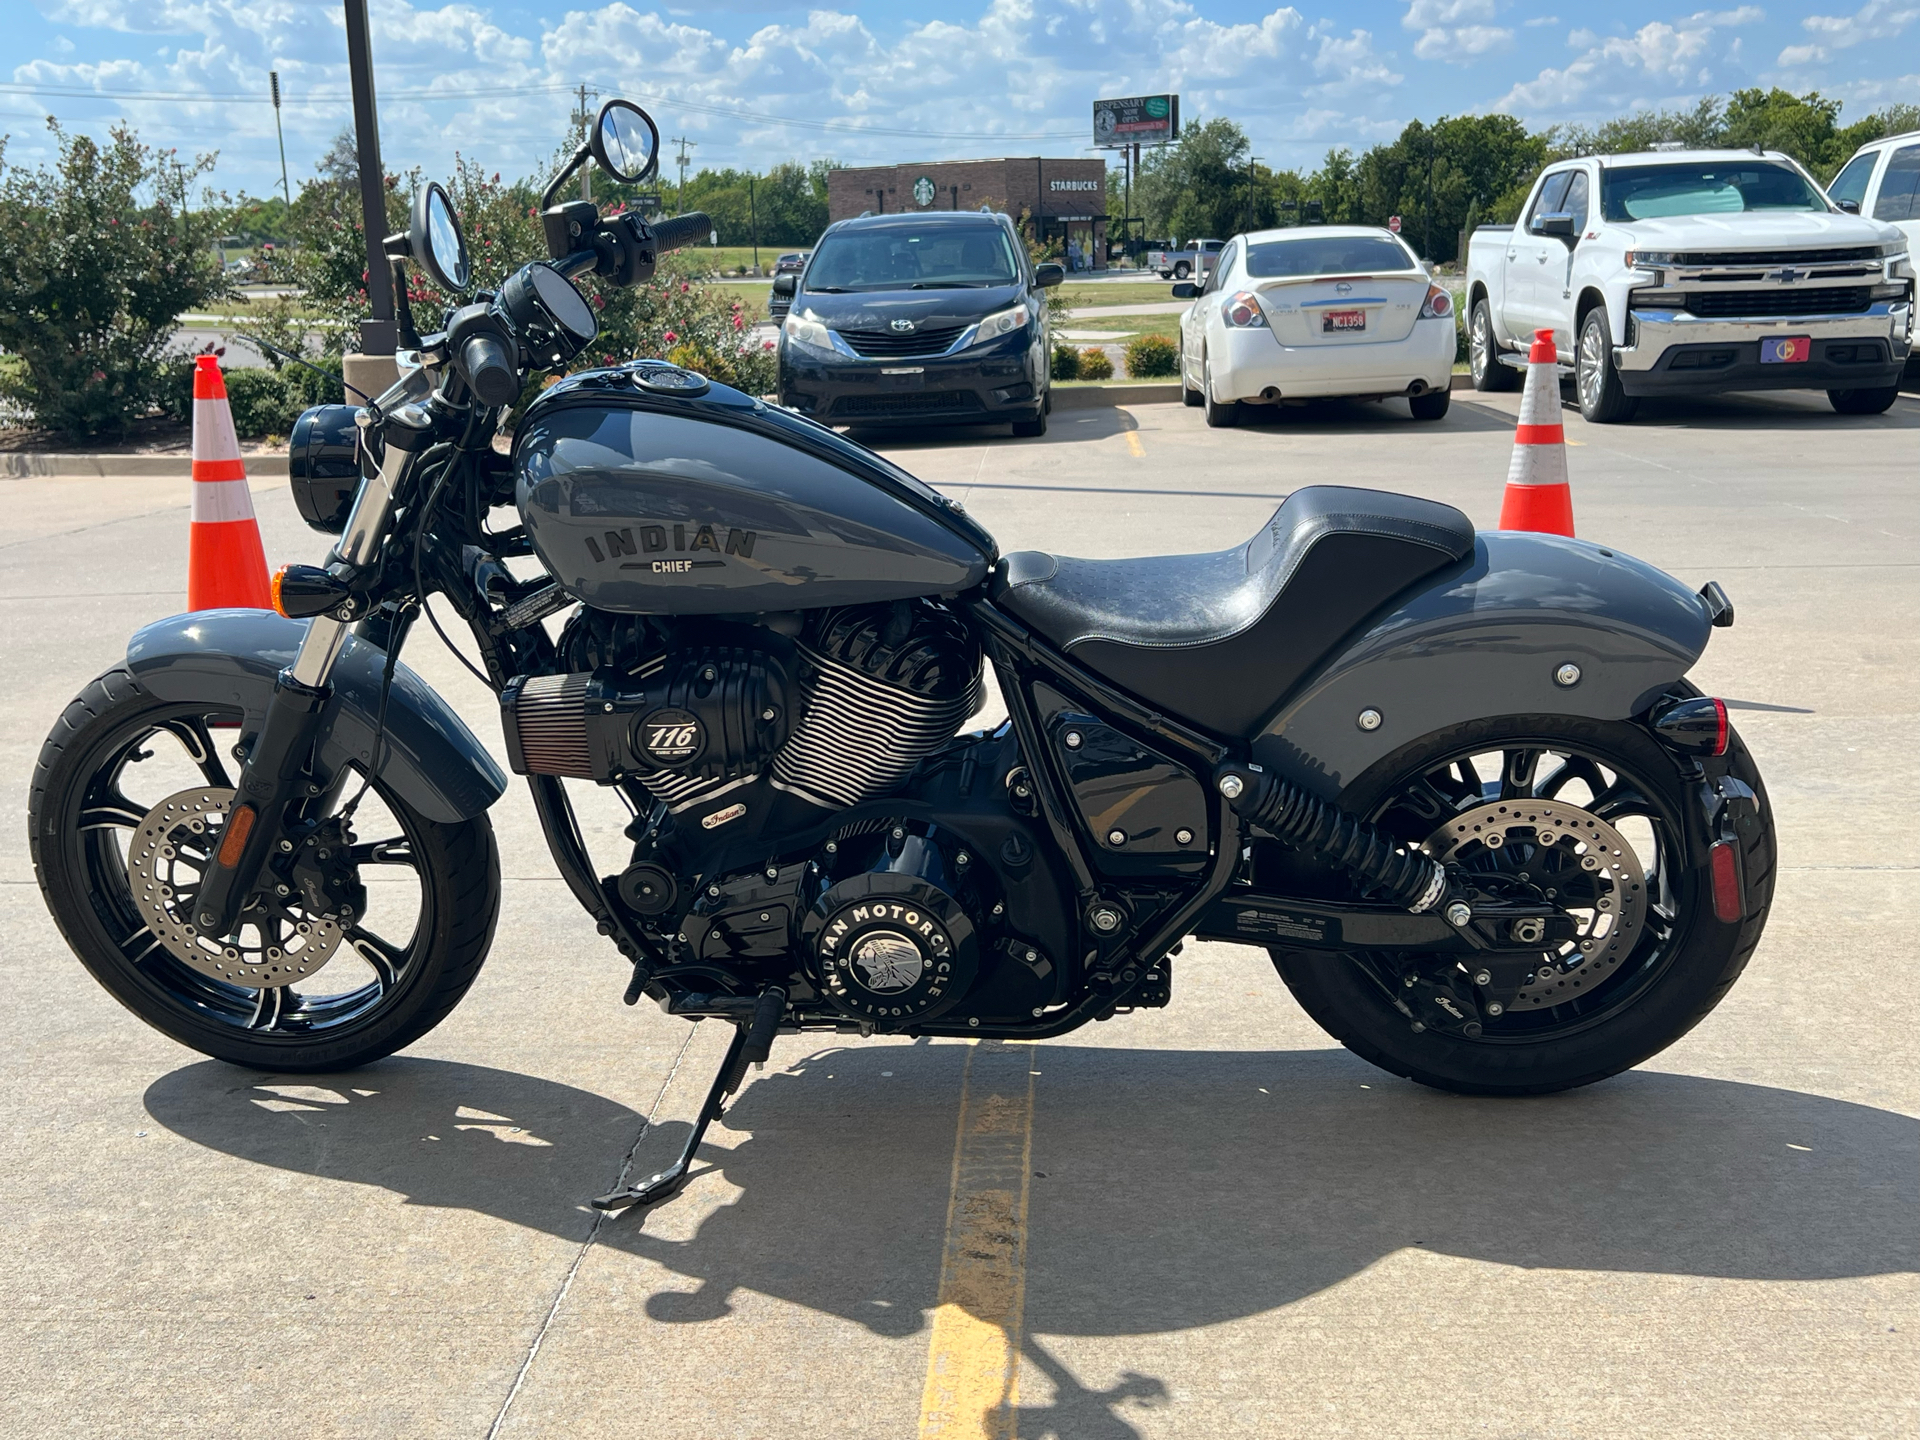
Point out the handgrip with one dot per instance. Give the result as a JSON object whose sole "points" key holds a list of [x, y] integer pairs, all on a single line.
{"points": [[682, 230], [489, 370]]}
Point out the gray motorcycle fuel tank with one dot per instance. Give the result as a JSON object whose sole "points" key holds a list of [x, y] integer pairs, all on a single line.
{"points": [[649, 491]]}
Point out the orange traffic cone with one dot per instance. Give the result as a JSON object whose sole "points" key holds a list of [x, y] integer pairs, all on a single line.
{"points": [[226, 565], [1537, 495]]}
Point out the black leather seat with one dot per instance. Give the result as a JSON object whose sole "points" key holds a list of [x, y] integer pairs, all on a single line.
{"points": [[1219, 639]]}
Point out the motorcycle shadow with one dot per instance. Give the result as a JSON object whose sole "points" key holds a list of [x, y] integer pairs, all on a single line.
{"points": [[1170, 1189]]}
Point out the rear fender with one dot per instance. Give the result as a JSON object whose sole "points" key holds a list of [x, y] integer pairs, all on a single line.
{"points": [[1487, 637], [234, 657]]}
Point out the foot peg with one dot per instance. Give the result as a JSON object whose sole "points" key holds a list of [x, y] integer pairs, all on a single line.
{"points": [[753, 1033]]}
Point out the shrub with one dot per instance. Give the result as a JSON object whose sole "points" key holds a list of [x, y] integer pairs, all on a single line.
{"points": [[92, 275], [1151, 356], [263, 402], [1066, 363], [1094, 364]]}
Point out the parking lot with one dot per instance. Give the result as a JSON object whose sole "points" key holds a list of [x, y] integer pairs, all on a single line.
{"points": [[1220, 1223]]}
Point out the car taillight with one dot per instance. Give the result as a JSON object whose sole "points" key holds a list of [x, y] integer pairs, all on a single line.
{"points": [[1243, 312], [1439, 304]]}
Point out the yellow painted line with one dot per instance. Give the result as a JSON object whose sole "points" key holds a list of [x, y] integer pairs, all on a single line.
{"points": [[1133, 444], [973, 1356]]}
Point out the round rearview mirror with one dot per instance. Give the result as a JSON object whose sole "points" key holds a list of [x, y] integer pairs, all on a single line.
{"points": [[625, 142], [437, 241]]}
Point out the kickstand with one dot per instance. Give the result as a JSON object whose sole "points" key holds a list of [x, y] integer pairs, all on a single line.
{"points": [[752, 1040]]}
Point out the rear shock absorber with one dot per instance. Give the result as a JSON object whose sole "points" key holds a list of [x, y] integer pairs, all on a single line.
{"points": [[1403, 875]]}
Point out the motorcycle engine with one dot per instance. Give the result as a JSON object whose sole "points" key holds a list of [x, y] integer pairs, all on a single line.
{"points": [[833, 708]]}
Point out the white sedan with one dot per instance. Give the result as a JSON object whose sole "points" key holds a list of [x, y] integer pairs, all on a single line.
{"points": [[1344, 310]]}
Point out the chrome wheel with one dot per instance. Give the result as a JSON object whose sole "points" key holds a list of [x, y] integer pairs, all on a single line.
{"points": [[1592, 366], [1479, 345]]}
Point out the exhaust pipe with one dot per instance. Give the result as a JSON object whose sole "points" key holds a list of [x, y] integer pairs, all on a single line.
{"points": [[1270, 394], [1418, 387]]}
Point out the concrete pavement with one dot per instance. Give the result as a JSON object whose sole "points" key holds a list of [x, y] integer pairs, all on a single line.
{"points": [[1229, 1225]]}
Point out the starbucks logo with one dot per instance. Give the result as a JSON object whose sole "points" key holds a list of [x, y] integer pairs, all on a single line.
{"points": [[923, 191]]}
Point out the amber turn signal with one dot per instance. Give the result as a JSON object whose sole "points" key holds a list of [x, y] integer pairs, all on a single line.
{"points": [[300, 591]]}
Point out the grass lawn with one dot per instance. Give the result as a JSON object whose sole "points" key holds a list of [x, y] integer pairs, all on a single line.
{"points": [[1119, 292], [1129, 325]]}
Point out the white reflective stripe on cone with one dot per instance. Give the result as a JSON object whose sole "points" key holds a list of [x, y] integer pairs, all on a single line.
{"points": [[215, 501], [213, 433]]}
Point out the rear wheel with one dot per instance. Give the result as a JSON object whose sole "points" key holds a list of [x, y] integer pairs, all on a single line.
{"points": [[1650, 960], [1182, 270], [1864, 402], [1483, 353], [354, 948], [1220, 414], [1603, 400], [1431, 406]]}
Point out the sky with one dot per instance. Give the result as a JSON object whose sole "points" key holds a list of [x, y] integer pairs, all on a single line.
{"points": [[754, 82]]}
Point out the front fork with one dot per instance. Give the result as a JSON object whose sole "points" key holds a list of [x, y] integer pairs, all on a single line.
{"points": [[276, 778]]}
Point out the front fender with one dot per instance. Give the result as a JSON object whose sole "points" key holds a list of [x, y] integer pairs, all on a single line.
{"points": [[433, 761], [1486, 637]]}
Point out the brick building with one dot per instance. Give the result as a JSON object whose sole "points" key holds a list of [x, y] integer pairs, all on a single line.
{"points": [[1067, 198]]}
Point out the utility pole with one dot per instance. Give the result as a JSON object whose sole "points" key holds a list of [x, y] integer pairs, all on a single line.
{"points": [[273, 81], [753, 221], [683, 142], [586, 171], [378, 335]]}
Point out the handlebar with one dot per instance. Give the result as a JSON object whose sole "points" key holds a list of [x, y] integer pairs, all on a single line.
{"points": [[488, 367], [682, 230]]}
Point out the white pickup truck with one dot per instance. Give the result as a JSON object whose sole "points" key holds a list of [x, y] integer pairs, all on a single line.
{"points": [[1688, 272]]}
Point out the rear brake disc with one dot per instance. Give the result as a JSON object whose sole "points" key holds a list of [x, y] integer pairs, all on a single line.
{"points": [[1566, 857]]}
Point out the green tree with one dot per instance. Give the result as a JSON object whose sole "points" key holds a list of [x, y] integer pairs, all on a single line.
{"points": [[99, 253], [1198, 187]]}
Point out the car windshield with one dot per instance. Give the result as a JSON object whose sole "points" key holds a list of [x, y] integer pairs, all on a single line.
{"points": [[905, 258], [1718, 187], [1327, 255]]}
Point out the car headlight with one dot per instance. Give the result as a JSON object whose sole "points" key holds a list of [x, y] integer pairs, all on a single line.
{"points": [[1003, 322], [810, 333], [1648, 259]]}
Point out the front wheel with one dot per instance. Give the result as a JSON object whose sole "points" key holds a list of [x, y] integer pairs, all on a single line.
{"points": [[1603, 400], [1523, 805], [352, 947], [1864, 402]]}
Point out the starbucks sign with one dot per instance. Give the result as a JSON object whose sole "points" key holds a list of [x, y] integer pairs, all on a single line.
{"points": [[923, 191]]}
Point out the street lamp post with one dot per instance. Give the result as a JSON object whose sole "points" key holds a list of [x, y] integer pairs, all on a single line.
{"points": [[378, 334]]}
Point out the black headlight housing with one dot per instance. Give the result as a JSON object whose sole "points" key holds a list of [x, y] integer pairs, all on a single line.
{"points": [[323, 465]]}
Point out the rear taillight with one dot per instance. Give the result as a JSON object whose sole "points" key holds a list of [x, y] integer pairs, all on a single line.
{"points": [[1439, 304], [1694, 727], [1242, 311]]}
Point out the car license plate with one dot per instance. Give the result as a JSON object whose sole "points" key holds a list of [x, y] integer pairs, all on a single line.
{"points": [[1786, 349], [1335, 322]]}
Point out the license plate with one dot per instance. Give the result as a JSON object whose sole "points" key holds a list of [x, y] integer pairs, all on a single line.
{"points": [[1335, 322], [1786, 350]]}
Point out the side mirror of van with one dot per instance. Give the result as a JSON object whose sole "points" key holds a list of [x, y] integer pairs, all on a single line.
{"points": [[1049, 274]]}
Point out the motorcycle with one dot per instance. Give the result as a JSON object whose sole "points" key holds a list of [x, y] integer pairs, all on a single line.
{"points": [[1456, 783]]}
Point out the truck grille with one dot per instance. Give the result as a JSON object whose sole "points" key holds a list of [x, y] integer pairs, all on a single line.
{"points": [[1826, 300], [886, 344], [910, 402], [1740, 259]]}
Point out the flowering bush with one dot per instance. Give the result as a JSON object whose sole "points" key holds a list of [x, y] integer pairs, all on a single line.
{"points": [[96, 260], [1094, 364]]}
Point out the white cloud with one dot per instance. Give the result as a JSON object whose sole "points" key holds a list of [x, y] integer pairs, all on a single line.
{"points": [[1540, 20], [1674, 59], [1875, 20], [1456, 31]]}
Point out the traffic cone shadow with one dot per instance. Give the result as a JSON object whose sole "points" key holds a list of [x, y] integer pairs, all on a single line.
{"points": [[1538, 496], [226, 563]]}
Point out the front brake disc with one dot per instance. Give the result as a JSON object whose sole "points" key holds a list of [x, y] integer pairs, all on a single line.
{"points": [[166, 859], [1564, 856]]}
